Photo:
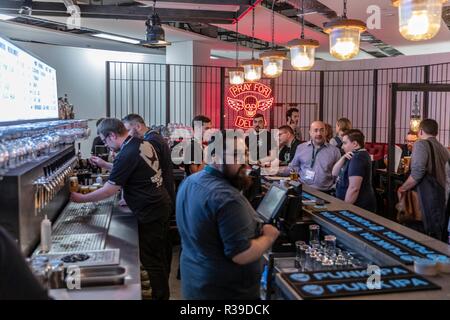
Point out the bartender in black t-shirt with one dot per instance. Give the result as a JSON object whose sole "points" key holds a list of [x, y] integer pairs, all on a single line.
{"points": [[136, 127], [288, 145], [137, 170]]}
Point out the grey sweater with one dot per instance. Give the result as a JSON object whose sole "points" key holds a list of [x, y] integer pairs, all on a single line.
{"points": [[421, 160]]}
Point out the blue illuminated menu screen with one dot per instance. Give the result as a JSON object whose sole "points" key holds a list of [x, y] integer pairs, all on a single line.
{"points": [[27, 86], [392, 243]]}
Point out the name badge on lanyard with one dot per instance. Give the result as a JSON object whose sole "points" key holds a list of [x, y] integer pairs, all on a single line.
{"points": [[310, 173]]}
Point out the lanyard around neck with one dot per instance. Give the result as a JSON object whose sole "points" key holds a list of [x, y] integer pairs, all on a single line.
{"points": [[314, 154]]}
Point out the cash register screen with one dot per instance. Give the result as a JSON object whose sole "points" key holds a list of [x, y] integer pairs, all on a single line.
{"points": [[271, 203]]}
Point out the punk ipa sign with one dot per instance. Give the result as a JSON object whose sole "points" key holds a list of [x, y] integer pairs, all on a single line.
{"points": [[248, 99]]}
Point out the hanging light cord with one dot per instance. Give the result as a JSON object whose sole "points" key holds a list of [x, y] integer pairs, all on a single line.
{"points": [[237, 42], [273, 24], [253, 32], [416, 110], [345, 10], [302, 36]]}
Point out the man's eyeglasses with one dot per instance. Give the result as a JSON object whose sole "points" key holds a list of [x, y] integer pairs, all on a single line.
{"points": [[104, 139]]}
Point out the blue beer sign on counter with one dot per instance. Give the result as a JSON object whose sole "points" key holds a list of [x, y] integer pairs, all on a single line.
{"points": [[353, 282], [386, 246], [358, 219], [359, 287], [331, 216], [334, 275], [384, 239], [310, 197]]}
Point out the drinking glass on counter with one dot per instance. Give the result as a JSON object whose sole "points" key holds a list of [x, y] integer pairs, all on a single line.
{"points": [[314, 235], [330, 245], [293, 175], [300, 254], [74, 185]]}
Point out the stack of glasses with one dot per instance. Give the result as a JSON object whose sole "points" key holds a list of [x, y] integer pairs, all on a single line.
{"points": [[323, 255]]}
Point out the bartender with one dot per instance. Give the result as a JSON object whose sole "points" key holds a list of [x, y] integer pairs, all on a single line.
{"points": [[314, 160], [288, 144], [97, 140], [137, 170], [222, 244], [136, 127]]}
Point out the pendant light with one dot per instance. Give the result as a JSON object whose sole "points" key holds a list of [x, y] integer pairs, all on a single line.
{"points": [[419, 19], [155, 36], [273, 59], [344, 36], [253, 67], [236, 74], [415, 120], [302, 50]]}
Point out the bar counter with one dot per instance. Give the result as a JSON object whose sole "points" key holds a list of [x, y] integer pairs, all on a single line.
{"points": [[367, 250], [122, 234]]}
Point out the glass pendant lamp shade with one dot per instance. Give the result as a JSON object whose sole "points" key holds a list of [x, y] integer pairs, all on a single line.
{"points": [[236, 75], [302, 53], [345, 35], [414, 123], [272, 63], [252, 69], [419, 19]]}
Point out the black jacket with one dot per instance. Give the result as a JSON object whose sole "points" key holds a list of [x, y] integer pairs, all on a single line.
{"points": [[287, 153]]}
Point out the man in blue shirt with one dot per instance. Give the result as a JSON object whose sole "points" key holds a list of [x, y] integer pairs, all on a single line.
{"points": [[222, 241], [354, 172]]}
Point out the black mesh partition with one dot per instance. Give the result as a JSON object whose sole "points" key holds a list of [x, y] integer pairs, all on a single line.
{"points": [[176, 93]]}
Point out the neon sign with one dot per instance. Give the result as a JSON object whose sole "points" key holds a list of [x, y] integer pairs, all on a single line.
{"points": [[251, 98]]}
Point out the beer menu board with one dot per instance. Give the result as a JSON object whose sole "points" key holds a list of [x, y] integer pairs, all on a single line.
{"points": [[309, 197], [356, 282], [401, 248], [27, 86]]}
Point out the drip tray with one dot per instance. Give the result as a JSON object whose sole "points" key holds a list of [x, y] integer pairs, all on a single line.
{"points": [[78, 242], [102, 276], [92, 258]]}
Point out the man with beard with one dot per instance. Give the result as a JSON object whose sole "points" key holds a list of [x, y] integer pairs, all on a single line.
{"points": [[221, 238], [293, 121]]}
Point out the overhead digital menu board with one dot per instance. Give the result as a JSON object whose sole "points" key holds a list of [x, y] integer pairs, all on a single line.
{"points": [[27, 86]]}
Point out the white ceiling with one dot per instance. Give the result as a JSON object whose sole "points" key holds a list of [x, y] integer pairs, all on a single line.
{"points": [[389, 33], [22, 32], [285, 30]]}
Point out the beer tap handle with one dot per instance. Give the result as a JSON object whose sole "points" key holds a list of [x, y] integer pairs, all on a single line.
{"points": [[36, 198]]}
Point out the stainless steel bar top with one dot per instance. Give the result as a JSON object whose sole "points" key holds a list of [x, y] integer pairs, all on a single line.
{"points": [[442, 279], [122, 234]]}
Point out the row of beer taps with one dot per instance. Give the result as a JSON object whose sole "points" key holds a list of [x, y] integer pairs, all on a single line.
{"points": [[48, 186]]}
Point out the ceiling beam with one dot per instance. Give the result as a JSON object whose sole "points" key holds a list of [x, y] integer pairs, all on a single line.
{"points": [[135, 12], [212, 2]]}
